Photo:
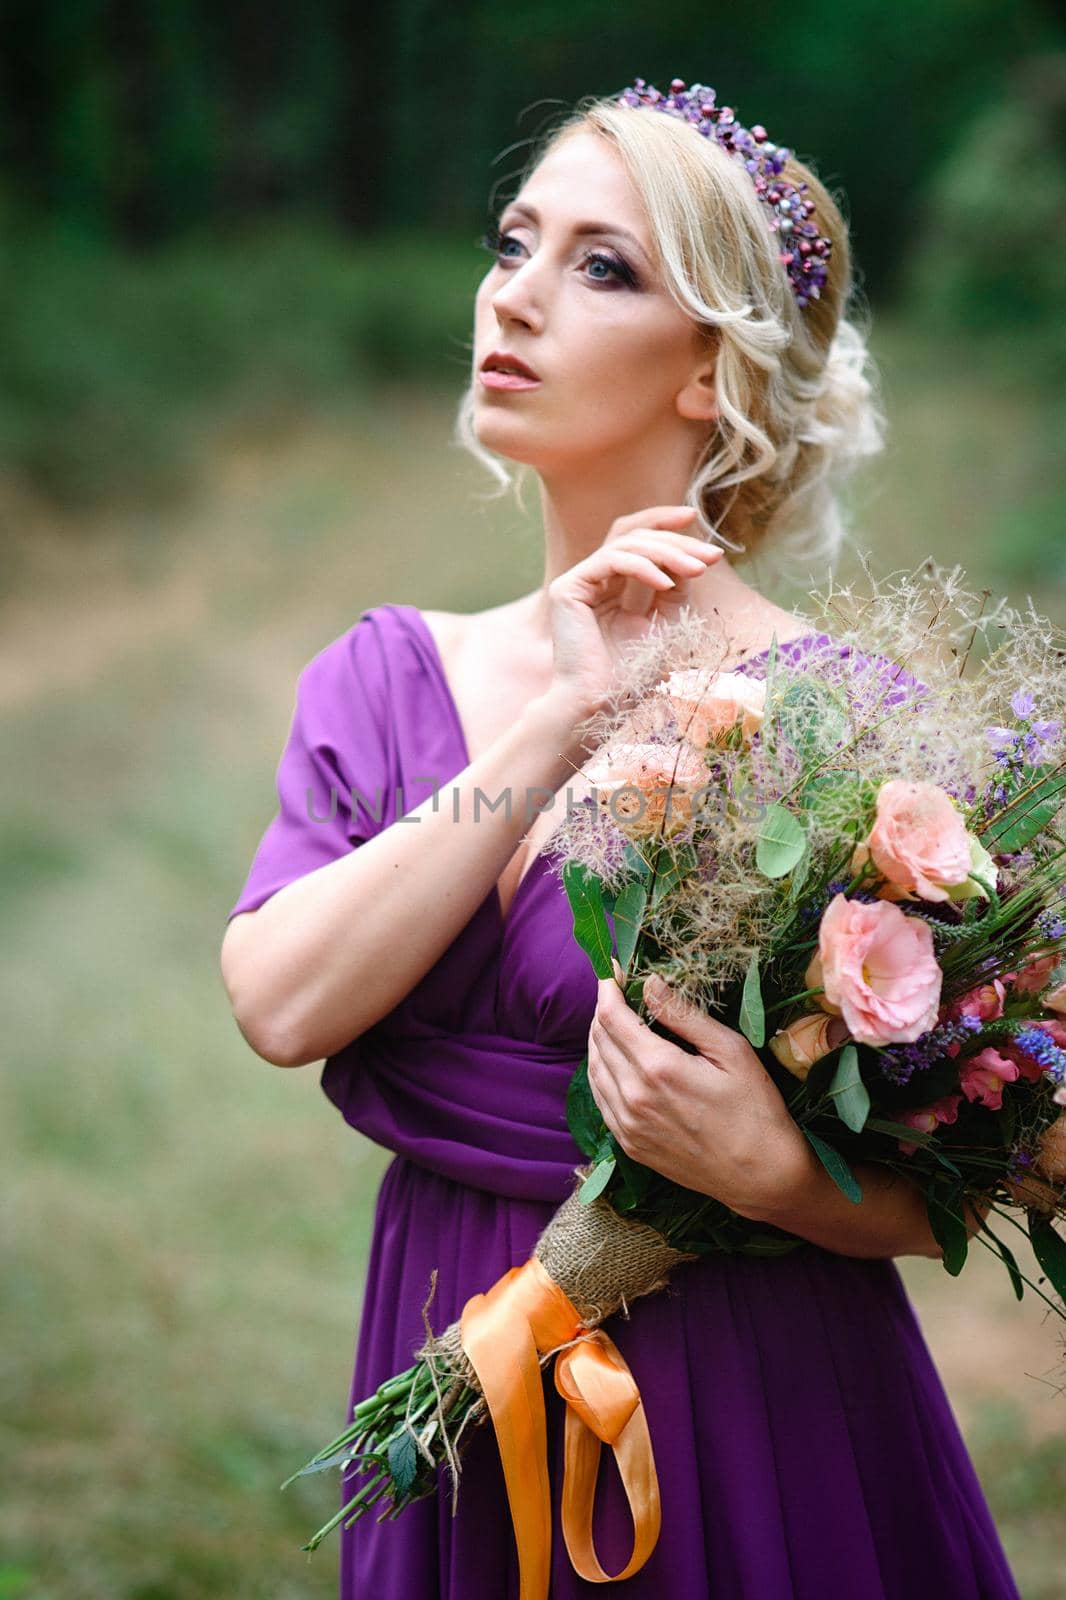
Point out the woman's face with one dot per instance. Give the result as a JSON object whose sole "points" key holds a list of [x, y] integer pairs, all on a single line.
{"points": [[621, 367]]}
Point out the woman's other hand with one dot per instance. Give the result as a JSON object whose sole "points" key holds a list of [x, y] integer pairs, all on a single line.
{"points": [[714, 1122], [642, 569]]}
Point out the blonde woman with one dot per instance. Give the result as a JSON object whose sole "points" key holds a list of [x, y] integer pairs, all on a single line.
{"points": [[649, 345]]}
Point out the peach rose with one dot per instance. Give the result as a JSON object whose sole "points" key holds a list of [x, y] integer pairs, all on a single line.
{"points": [[926, 1118], [807, 1040], [918, 841], [878, 971], [634, 783], [707, 708], [981, 1077]]}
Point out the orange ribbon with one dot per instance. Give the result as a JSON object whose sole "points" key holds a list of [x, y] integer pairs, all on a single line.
{"points": [[523, 1315]]}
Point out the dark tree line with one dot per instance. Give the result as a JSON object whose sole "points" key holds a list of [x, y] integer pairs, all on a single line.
{"points": [[138, 121]]}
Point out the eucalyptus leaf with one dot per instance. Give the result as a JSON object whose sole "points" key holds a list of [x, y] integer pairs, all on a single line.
{"points": [[752, 1013], [597, 1180], [850, 1095], [836, 1166], [584, 892], [780, 843]]}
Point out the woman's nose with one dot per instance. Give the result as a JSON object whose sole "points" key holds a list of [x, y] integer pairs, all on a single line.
{"points": [[519, 298]]}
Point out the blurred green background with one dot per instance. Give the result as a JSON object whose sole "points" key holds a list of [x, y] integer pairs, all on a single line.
{"points": [[238, 261]]}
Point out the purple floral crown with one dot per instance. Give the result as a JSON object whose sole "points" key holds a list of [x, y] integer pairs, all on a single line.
{"points": [[806, 253]]}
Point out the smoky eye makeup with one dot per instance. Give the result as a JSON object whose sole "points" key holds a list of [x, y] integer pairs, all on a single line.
{"points": [[494, 239]]}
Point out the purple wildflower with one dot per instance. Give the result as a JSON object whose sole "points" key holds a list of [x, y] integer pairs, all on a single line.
{"points": [[901, 1062], [1043, 1049]]}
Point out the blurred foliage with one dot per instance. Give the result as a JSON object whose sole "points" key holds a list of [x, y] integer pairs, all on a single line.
{"points": [[217, 220], [115, 368], [140, 123], [990, 252]]}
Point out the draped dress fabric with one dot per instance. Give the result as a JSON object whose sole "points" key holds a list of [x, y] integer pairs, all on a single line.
{"points": [[805, 1446]]}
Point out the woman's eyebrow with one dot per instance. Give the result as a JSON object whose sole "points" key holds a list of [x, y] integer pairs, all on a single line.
{"points": [[580, 227]]}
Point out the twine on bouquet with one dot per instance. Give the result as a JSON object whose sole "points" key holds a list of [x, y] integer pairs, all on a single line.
{"points": [[588, 1262]]}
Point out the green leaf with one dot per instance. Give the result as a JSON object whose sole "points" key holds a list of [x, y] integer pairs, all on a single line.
{"points": [[584, 891], [850, 1096], [836, 1166], [768, 678], [597, 1180], [583, 1115], [629, 909], [1028, 813], [674, 866], [1049, 1248], [403, 1461], [812, 718], [752, 1014], [799, 877], [900, 1130], [781, 842], [1008, 1261], [636, 863], [943, 1205]]}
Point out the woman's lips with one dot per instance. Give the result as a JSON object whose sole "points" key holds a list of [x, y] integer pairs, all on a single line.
{"points": [[507, 380]]}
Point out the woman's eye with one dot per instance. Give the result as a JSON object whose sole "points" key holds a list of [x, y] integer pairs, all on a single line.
{"points": [[494, 241]]}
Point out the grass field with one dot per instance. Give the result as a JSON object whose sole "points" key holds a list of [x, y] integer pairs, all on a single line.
{"points": [[185, 1227]]}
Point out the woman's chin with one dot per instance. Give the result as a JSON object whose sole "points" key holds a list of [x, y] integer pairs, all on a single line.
{"points": [[517, 444]]}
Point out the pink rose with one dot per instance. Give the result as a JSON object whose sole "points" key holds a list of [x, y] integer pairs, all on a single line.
{"points": [[634, 782], [926, 1118], [981, 1077], [707, 707], [918, 841], [878, 971], [807, 1040]]}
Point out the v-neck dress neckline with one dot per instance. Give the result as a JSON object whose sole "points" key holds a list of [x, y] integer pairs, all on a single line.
{"points": [[503, 918]]}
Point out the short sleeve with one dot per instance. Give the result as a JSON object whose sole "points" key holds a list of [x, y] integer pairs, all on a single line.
{"points": [[333, 777]]}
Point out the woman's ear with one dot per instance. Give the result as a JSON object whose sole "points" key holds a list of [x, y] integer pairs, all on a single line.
{"points": [[698, 400]]}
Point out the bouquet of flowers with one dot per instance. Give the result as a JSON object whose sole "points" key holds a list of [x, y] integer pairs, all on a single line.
{"points": [[852, 852]]}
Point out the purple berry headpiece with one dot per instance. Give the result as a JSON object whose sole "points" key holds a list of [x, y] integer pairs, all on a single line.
{"points": [[806, 252]]}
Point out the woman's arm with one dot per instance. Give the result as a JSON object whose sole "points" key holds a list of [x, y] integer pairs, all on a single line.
{"points": [[890, 1220], [331, 953]]}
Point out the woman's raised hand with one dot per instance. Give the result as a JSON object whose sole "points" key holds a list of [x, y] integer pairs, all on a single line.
{"points": [[642, 569]]}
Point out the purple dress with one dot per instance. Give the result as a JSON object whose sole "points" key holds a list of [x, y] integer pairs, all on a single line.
{"points": [[805, 1447]]}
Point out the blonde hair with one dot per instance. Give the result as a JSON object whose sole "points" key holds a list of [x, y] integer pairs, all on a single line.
{"points": [[796, 387]]}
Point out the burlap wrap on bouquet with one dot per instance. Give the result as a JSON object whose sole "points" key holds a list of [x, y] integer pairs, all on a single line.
{"points": [[601, 1261]]}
